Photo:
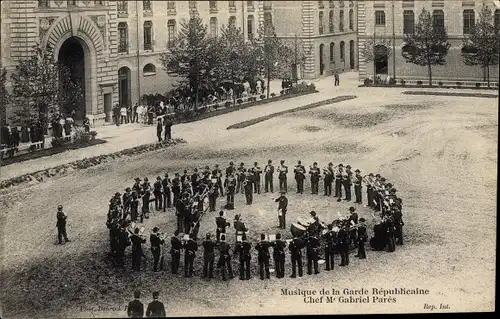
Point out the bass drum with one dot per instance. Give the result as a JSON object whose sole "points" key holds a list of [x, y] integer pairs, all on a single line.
{"points": [[297, 230]]}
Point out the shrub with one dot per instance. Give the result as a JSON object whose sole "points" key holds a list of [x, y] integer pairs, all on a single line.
{"points": [[274, 94], [368, 82], [419, 83], [227, 104], [403, 82], [215, 106], [440, 84], [392, 81], [57, 142], [262, 96], [478, 85], [312, 87], [458, 83], [239, 101]]}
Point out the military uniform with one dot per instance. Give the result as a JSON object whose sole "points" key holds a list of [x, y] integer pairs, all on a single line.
{"points": [[134, 206], [279, 257], [348, 183], [248, 189], [243, 250], [176, 188], [282, 208], [282, 172], [137, 252], [190, 248], [256, 171], [221, 224], [315, 176], [338, 182], [330, 247], [312, 246], [357, 187], [167, 201], [240, 178], [208, 258], [343, 246], [225, 260], [362, 238], [122, 243], [195, 180], [263, 258], [156, 243], [231, 189], [299, 172], [295, 247], [268, 177], [155, 309], [328, 180], [135, 309], [213, 193], [217, 173], [175, 252], [158, 194], [61, 226]]}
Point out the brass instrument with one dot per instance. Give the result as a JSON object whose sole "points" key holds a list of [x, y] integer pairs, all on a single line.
{"points": [[267, 169]]}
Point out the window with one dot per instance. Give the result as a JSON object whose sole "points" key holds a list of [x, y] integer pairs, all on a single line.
{"points": [[438, 19], [71, 3], [332, 51], [149, 69], [268, 20], [469, 20], [332, 4], [330, 21], [232, 4], [408, 22], [321, 22], [123, 34], [192, 5], [170, 33], [171, 5], [351, 19], [122, 6], [250, 27], [232, 21], [146, 5], [213, 26], [249, 3], [212, 4], [321, 5], [43, 3], [342, 51], [379, 17], [497, 20], [148, 35], [341, 20]]}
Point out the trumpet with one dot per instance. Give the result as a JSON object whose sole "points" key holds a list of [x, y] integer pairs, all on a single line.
{"points": [[267, 169]]}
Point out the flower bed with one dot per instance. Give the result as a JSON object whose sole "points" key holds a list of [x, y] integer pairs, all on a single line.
{"points": [[86, 163]]}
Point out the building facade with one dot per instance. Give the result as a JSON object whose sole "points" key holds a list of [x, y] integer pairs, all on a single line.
{"points": [[323, 33], [119, 43], [383, 24]]}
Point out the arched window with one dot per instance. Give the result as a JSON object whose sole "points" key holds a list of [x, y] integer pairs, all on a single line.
{"points": [[320, 22], [332, 52], [170, 33], [330, 21], [342, 51], [149, 69], [148, 35], [351, 19], [341, 20], [123, 37], [250, 26]]}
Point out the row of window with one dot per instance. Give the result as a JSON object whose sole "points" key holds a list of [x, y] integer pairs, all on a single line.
{"points": [[147, 6], [341, 21], [321, 4], [45, 3], [469, 20], [342, 50]]}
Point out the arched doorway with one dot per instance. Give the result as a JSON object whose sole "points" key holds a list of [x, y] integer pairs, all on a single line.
{"points": [[381, 59], [321, 61], [351, 54], [124, 86], [72, 78]]}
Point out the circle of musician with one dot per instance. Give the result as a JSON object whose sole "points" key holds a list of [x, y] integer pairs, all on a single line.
{"points": [[192, 195]]}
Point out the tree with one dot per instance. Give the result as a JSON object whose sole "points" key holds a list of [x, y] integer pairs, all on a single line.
{"points": [[369, 51], [4, 96], [428, 45], [192, 56], [481, 46], [71, 92]]}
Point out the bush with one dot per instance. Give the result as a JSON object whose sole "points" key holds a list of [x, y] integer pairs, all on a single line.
{"points": [[378, 80], [402, 82], [478, 85], [458, 83], [419, 83], [392, 81], [57, 142], [227, 104], [216, 106], [274, 94], [368, 82], [440, 84], [262, 96], [239, 101]]}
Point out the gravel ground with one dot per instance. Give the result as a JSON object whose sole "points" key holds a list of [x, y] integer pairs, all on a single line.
{"points": [[440, 152]]}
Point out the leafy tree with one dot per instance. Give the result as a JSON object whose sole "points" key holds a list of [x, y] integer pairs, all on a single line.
{"points": [[428, 45], [4, 96], [71, 92], [369, 54], [192, 57], [481, 46]]}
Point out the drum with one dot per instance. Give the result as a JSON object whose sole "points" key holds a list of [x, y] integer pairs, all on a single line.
{"points": [[297, 230], [303, 222]]}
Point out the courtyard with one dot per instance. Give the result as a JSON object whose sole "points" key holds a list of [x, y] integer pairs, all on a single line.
{"points": [[438, 151]]}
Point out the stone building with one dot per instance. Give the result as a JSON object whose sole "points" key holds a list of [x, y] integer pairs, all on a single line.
{"points": [[322, 33], [114, 46], [384, 23]]}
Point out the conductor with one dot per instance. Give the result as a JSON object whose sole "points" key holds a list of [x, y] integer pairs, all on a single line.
{"points": [[282, 207]]}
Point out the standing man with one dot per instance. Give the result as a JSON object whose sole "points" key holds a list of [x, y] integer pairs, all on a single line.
{"points": [[240, 173], [156, 309], [263, 256], [339, 177], [116, 113], [146, 195], [167, 201], [336, 77], [315, 176], [343, 244], [330, 246], [135, 308], [362, 238], [176, 188], [248, 187], [157, 186], [134, 206], [190, 248], [135, 118], [137, 241], [217, 173], [159, 129], [221, 224], [312, 254], [348, 182], [256, 177], [129, 114], [353, 222], [175, 252], [230, 170], [370, 191], [195, 180], [61, 225], [358, 179], [299, 172], [208, 257], [295, 247], [328, 179], [213, 193], [168, 128], [156, 242], [243, 250], [225, 258], [282, 208], [230, 190], [279, 256], [282, 172], [268, 176]]}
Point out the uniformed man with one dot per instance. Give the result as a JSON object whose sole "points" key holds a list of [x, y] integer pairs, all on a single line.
{"points": [[243, 250], [369, 192], [398, 221], [213, 193], [295, 247], [328, 179], [339, 177], [225, 258], [135, 308], [185, 178], [240, 178], [315, 173], [268, 176], [137, 186], [353, 222], [158, 193], [230, 191], [196, 218], [282, 208], [208, 257], [156, 244], [137, 241], [256, 171], [221, 224], [146, 195], [123, 242], [175, 252], [343, 243], [282, 173], [279, 256], [247, 185], [330, 247], [126, 200], [61, 225], [156, 309], [190, 248], [312, 246], [217, 173], [166, 184], [239, 225], [390, 229], [230, 170], [195, 180], [176, 187], [180, 214], [263, 256], [300, 176], [348, 176], [362, 238], [358, 179]]}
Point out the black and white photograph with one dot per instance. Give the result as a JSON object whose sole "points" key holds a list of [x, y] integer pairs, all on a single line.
{"points": [[232, 158]]}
